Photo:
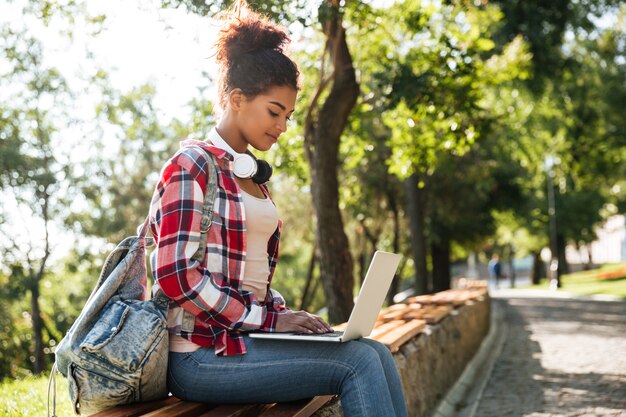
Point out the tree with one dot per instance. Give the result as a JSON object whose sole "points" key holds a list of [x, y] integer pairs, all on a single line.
{"points": [[437, 86], [575, 65], [36, 117], [32, 113]]}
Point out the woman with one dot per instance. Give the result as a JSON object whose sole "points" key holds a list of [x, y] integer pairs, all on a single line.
{"points": [[216, 302]]}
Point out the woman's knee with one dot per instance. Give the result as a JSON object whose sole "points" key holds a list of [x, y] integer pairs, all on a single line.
{"points": [[362, 356], [382, 351]]}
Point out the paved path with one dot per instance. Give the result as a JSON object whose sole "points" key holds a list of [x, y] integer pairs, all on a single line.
{"points": [[561, 357]]}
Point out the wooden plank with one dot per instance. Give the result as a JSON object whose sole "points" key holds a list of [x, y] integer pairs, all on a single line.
{"points": [[137, 409], [180, 409], [432, 314], [421, 299], [237, 410], [438, 314], [395, 314], [402, 334], [301, 408], [389, 311], [385, 328]]}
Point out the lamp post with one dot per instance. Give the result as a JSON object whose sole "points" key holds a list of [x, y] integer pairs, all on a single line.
{"points": [[555, 279]]}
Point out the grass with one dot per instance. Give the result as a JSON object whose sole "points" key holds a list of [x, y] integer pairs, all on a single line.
{"points": [[27, 397], [609, 279]]}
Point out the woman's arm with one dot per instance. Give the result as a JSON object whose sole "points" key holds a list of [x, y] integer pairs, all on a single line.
{"points": [[186, 281]]}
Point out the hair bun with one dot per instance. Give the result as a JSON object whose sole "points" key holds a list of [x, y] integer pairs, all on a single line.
{"points": [[245, 32]]}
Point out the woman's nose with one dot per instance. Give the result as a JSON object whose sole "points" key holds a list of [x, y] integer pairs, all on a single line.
{"points": [[282, 125]]}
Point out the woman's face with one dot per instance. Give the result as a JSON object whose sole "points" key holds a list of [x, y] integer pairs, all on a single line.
{"points": [[263, 118]]}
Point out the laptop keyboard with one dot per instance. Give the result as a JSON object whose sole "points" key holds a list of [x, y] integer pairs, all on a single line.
{"points": [[333, 334]]}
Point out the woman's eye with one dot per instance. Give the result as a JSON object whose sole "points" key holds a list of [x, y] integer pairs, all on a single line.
{"points": [[273, 114]]}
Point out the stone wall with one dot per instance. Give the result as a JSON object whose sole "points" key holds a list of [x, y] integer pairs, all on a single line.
{"points": [[431, 363]]}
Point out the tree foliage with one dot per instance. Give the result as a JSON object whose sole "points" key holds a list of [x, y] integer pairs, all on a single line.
{"points": [[458, 105]]}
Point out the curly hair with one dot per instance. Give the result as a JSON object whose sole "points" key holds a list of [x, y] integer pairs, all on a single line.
{"points": [[250, 52]]}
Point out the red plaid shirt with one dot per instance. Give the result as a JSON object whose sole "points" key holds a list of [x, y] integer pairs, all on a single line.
{"points": [[222, 309]]}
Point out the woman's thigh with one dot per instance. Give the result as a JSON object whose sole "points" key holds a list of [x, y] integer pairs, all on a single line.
{"points": [[271, 371]]}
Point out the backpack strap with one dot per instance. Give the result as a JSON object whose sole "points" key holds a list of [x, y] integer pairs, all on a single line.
{"points": [[207, 209], [207, 206]]}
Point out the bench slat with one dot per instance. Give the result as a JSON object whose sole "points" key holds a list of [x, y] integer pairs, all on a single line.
{"points": [[180, 409], [395, 314], [385, 328], [402, 334], [137, 409], [236, 410], [432, 314], [301, 408]]}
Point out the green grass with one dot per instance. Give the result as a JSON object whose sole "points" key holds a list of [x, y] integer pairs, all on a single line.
{"points": [[27, 397], [609, 279]]}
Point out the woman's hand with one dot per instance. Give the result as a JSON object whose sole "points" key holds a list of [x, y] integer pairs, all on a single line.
{"points": [[301, 322]]}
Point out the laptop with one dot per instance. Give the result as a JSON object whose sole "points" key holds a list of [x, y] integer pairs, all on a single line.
{"points": [[365, 312]]}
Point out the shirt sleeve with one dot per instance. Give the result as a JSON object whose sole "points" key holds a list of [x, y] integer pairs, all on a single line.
{"points": [[186, 281], [276, 302]]}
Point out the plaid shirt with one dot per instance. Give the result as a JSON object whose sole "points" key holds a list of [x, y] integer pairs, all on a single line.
{"points": [[221, 308]]}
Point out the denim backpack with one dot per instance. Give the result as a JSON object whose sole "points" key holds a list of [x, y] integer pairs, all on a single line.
{"points": [[116, 351]]}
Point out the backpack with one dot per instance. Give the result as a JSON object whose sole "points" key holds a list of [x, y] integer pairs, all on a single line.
{"points": [[116, 352]]}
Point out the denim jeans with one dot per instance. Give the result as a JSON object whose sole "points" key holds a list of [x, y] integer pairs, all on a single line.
{"points": [[362, 372]]}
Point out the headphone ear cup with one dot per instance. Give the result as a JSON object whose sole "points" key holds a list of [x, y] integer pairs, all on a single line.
{"points": [[263, 172]]}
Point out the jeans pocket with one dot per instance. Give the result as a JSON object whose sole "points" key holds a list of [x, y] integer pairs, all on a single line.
{"points": [[172, 383], [91, 392]]}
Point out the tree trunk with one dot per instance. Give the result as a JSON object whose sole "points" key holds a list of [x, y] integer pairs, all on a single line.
{"points": [[511, 256], [537, 271], [306, 293], [362, 259], [563, 267], [36, 275], [39, 364], [393, 206], [322, 134], [440, 251], [589, 256], [372, 239], [416, 211]]}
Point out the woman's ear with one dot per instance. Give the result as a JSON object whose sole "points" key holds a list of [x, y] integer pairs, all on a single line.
{"points": [[236, 98]]}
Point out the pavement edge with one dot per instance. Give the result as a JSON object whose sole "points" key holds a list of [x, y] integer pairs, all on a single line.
{"points": [[463, 398]]}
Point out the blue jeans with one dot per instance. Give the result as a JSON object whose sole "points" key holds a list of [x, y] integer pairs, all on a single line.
{"points": [[362, 372]]}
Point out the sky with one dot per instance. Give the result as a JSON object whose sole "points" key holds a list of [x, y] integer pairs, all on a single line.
{"points": [[140, 42], [168, 46]]}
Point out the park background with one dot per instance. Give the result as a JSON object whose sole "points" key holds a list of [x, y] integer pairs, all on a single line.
{"points": [[442, 130]]}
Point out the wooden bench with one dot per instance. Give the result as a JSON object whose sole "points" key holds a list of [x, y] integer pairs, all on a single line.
{"points": [[173, 407], [395, 326]]}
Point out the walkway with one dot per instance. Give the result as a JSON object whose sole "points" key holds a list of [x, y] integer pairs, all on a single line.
{"points": [[561, 356]]}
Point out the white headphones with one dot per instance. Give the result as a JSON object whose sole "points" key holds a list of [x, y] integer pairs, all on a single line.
{"points": [[245, 165]]}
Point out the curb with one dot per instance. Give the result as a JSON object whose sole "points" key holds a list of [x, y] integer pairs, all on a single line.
{"points": [[508, 293], [463, 398]]}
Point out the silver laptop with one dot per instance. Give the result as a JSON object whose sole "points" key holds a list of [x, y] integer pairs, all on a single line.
{"points": [[365, 312]]}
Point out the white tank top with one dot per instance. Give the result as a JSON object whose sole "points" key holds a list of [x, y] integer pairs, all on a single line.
{"points": [[261, 222]]}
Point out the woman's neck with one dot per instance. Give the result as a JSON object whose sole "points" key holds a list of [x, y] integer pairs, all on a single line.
{"points": [[227, 129]]}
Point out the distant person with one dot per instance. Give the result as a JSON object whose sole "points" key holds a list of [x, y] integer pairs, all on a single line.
{"points": [[495, 270]]}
